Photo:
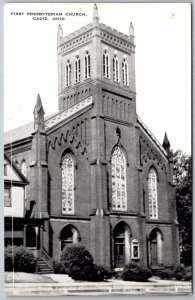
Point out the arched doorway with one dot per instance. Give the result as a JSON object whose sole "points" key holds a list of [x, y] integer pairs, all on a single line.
{"points": [[121, 245], [32, 240], [69, 235], [155, 247]]}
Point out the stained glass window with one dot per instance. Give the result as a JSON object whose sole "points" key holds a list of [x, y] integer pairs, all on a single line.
{"points": [[119, 193], [67, 184], [152, 194]]}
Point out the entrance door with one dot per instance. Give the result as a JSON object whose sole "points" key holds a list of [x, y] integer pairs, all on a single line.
{"points": [[119, 250], [153, 251]]}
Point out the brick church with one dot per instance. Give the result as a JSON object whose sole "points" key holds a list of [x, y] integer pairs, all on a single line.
{"points": [[97, 175]]}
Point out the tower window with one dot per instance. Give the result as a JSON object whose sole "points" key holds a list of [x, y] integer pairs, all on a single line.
{"points": [[77, 69], [87, 65], [67, 184], [115, 69], [152, 194], [68, 73], [106, 65], [125, 72], [119, 193]]}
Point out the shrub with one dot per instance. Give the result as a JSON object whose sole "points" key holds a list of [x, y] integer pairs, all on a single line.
{"points": [[19, 259], [8, 259], [135, 272], [188, 274], [166, 274], [78, 262], [100, 273], [179, 272], [59, 267]]}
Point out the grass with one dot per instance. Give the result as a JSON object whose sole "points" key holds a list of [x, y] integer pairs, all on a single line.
{"points": [[21, 277]]}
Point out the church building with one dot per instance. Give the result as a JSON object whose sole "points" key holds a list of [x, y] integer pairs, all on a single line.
{"points": [[97, 175]]}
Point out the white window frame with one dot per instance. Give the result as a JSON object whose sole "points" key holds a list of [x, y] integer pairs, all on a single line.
{"points": [[152, 195], [116, 73], [87, 65], [77, 70], [68, 73], [125, 72], [10, 197], [106, 65], [135, 243]]}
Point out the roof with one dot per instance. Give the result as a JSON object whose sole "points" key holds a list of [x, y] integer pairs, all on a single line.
{"points": [[16, 169]]}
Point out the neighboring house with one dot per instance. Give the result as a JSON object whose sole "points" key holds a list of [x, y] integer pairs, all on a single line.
{"points": [[97, 175]]}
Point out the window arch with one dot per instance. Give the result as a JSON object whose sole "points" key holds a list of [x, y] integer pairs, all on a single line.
{"points": [[125, 72], [119, 190], [77, 69], [68, 73], [87, 65], [116, 69], [67, 184], [152, 194], [69, 235], [106, 64]]}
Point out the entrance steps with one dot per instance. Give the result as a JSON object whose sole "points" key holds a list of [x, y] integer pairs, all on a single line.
{"points": [[42, 267]]}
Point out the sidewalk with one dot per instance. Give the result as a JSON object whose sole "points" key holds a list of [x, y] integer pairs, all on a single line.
{"points": [[67, 286]]}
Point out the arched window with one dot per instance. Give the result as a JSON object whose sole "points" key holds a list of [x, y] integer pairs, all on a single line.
{"points": [[69, 235], [106, 65], [119, 192], [68, 73], [125, 72], [77, 69], [152, 194], [115, 69], [87, 65], [67, 184]]}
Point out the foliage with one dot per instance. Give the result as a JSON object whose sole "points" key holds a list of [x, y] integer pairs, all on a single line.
{"points": [[8, 258], [182, 177], [19, 259], [135, 272], [166, 274], [179, 272], [78, 263], [59, 267]]}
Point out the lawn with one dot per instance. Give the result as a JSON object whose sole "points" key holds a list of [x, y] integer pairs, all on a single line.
{"points": [[21, 277]]}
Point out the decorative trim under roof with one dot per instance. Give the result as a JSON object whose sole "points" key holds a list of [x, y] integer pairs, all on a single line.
{"points": [[151, 135], [68, 112]]}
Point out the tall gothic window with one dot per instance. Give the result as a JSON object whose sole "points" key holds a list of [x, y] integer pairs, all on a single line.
{"points": [[77, 69], [152, 194], [67, 184], [87, 65], [106, 65], [125, 72], [115, 69], [119, 190], [68, 73]]}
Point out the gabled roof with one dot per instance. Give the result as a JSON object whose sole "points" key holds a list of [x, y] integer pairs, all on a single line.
{"points": [[15, 169]]}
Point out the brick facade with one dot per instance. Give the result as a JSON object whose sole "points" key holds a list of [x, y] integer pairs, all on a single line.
{"points": [[90, 135]]}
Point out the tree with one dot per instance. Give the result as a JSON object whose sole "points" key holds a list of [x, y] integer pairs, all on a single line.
{"points": [[182, 177]]}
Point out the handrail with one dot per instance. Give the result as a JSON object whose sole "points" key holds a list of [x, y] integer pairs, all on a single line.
{"points": [[47, 258]]}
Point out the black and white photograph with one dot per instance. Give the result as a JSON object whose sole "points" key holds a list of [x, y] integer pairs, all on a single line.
{"points": [[97, 149]]}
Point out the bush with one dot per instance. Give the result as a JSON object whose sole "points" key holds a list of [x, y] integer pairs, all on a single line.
{"points": [[59, 267], [100, 273], [78, 262], [8, 259], [19, 259], [135, 272], [188, 274], [179, 272], [166, 274]]}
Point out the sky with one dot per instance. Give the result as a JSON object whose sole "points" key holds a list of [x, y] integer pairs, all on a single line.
{"points": [[163, 61]]}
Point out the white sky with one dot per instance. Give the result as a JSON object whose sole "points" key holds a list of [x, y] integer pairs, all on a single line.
{"points": [[163, 62]]}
